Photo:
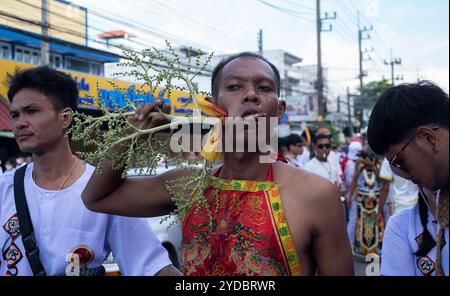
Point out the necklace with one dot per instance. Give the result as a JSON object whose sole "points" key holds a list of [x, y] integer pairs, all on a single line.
{"points": [[369, 180], [67, 177]]}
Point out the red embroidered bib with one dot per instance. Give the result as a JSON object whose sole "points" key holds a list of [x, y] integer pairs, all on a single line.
{"points": [[248, 235]]}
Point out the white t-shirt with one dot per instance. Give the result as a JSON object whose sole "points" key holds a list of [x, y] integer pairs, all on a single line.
{"points": [[333, 158], [350, 169], [402, 193], [323, 169], [62, 224], [305, 156], [403, 230], [296, 161]]}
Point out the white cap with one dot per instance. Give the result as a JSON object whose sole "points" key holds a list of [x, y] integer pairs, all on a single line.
{"points": [[353, 150]]}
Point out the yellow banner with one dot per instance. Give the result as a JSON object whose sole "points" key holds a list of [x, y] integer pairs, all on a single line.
{"points": [[94, 88]]}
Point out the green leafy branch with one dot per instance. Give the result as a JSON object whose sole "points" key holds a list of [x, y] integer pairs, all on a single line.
{"points": [[153, 69]]}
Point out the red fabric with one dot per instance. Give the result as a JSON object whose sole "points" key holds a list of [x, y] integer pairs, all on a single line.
{"points": [[344, 164], [242, 241], [5, 118], [282, 158], [355, 140]]}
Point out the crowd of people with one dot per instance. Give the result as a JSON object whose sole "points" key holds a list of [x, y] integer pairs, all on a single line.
{"points": [[305, 214], [354, 171], [13, 163]]}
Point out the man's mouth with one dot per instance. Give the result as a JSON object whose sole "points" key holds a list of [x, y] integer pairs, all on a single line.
{"points": [[251, 115], [23, 136]]}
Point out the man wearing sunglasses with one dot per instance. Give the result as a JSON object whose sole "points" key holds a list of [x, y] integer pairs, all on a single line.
{"points": [[409, 126], [320, 164]]}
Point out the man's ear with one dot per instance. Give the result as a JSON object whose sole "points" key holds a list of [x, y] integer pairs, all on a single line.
{"points": [[429, 135], [66, 115], [281, 110]]}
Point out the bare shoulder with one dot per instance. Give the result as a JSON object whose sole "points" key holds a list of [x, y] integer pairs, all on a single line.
{"points": [[303, 186]]}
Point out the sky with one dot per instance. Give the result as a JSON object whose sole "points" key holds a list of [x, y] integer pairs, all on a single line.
{"points": [[414, 30]]}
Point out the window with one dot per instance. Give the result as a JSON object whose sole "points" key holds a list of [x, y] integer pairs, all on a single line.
{"points": [[28, 55], [84, 66], [5, 51], [77, 65], [35, 57], [96, 69], [56, 60]]}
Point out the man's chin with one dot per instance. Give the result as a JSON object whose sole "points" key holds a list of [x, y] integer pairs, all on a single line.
{"points": [[26, 148]]}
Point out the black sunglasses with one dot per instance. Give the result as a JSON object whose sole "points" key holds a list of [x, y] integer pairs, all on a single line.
{"points": [[396, 163], [321, 146]]}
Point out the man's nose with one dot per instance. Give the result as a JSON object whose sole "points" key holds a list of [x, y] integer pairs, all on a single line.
{"points": [[19, 122], [251, 95]]}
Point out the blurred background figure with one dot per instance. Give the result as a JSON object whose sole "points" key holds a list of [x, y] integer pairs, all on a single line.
{"points": [[307, 146], [282, 148], [349, 167], [20, 161], [10, 164], [339, 151], [397, 194], [367, 235], [333, 158], [294, 144], [191, 157], [320, 164]]}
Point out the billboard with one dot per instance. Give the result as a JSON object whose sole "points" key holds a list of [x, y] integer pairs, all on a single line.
{"points": [[94, 89]]}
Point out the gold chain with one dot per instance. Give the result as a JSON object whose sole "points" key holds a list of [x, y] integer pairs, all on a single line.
{"points": [[66, 179]]}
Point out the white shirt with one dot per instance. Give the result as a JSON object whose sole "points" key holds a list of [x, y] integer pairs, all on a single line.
{"points": [[350, 168], [402, 193], [296, 161], [399, 246], [323, 169], [333, 158], [62, 223], [305, 156]]}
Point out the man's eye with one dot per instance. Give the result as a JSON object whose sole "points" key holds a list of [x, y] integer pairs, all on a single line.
{"points": [[32, 111], [265, 88], [233, 87], [14, 115]]}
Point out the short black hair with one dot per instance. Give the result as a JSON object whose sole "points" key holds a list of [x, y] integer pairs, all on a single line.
{"points": [[320, 137], [403, 108], [58, 86], [216, 72], [293, 139], [368, 153], [282, 142]]}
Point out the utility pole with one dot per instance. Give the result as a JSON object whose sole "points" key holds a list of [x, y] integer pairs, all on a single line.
{"points": [[361, 37], [392, 63], [45, 56], [339, 104], [260, 42], [319, 83], [349, 114]]}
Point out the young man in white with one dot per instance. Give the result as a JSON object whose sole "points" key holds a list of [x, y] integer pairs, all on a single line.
{"points": [[320, 164], [409, 126], [294, 145], [42, 102]]}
